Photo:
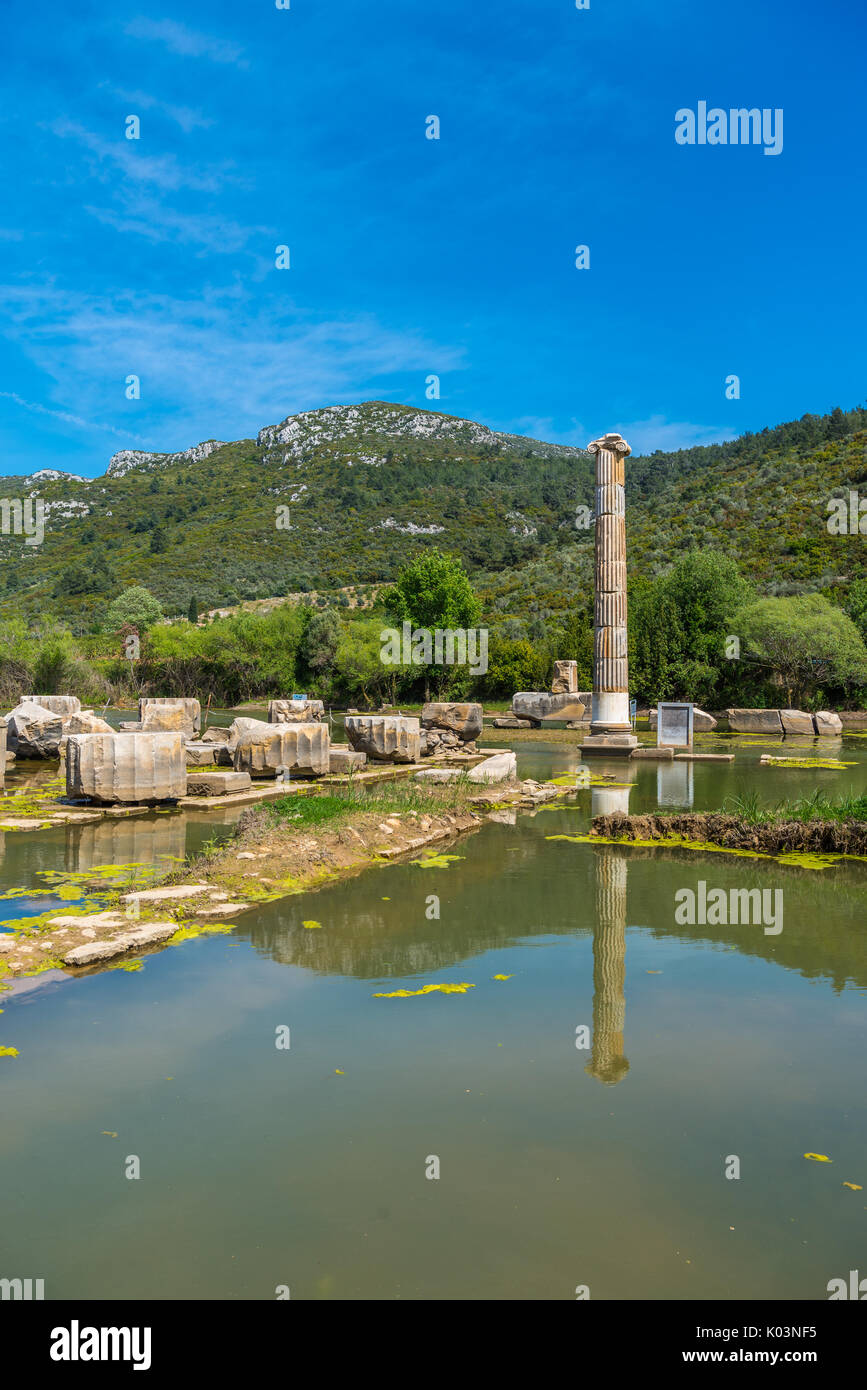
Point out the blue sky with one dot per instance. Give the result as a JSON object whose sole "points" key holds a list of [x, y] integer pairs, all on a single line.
{"points": [[409, 257]]}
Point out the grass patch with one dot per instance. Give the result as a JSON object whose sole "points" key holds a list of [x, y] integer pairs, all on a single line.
{"points": [[818, 807]]}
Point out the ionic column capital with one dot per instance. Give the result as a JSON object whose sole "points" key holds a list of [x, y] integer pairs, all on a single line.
{"points": [[614, 443]]}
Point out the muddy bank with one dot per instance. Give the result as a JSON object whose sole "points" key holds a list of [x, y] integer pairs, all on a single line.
{"points": [[731, 832]]}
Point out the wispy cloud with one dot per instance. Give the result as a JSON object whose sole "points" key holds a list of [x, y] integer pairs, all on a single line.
{"points": [[187, 43], [210, 366], [645, 436], [67, 417], [187, 117], [163, 171]]}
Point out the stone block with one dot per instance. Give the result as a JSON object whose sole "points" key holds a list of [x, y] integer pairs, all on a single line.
{"points": [[127, 768], [295, 711], [150, 934], [465, 720], [216, 734], [755, 721], [297, 748], [86, 722], [191, 707], [509, 721], [201, 754], [500, 768], [385, 737], [795, 721], [826, 723], [58, 704], [343, 759], [537, 705], [565, 680], [33, 731], [204, 783]]}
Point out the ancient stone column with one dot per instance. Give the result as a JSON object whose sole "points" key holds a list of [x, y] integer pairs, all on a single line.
{"points": [[610, 727]]}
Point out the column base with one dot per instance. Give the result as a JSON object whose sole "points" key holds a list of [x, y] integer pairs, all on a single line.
{"points": [[609, 745]]}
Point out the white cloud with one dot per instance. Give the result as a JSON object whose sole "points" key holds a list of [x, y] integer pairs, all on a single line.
{"points": [[185, 42], [211, 366], [645, 436]]}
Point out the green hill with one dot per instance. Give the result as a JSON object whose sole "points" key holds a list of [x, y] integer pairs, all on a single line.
{"points": [[346, 495]]}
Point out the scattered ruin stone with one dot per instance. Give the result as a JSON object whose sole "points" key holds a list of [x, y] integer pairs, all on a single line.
{"points": [[755, 721], [300, 748], [86, 722], [565, 680], [826, 723], [537, 705], [216, 734], [464, 720], [500, 768], [158, 895], [344, 759], [200, 754], [201, 783], [129, 768], [148, 935], [58, 704], [295, 711], [385, 737], [509, 721], [795, 721], [152, 708], [33, 731]]}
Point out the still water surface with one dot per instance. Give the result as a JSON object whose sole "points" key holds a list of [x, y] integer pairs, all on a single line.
{"points": [[558, 1166]]}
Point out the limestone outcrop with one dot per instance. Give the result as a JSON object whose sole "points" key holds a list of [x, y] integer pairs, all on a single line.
{"points": [[129, 768], [295, 711], [276, 749], [385, 737]]}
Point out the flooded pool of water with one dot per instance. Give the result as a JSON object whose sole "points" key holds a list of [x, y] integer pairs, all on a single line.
{"points": [[559, 1165]]}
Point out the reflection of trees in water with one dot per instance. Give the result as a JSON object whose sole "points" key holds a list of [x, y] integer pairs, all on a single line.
{"points": [[824, 932], [607, 1060], [513, 885]]}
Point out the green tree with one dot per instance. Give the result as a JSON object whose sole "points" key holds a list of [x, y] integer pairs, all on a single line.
{"points": [[431, 592], [804, 642], [193, 610], [135, 606], [321, 641]]}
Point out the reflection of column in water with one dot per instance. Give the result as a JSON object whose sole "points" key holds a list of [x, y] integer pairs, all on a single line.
{"points": [[133, 841], [609, 801], [607, 1061], [675, 784]]}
